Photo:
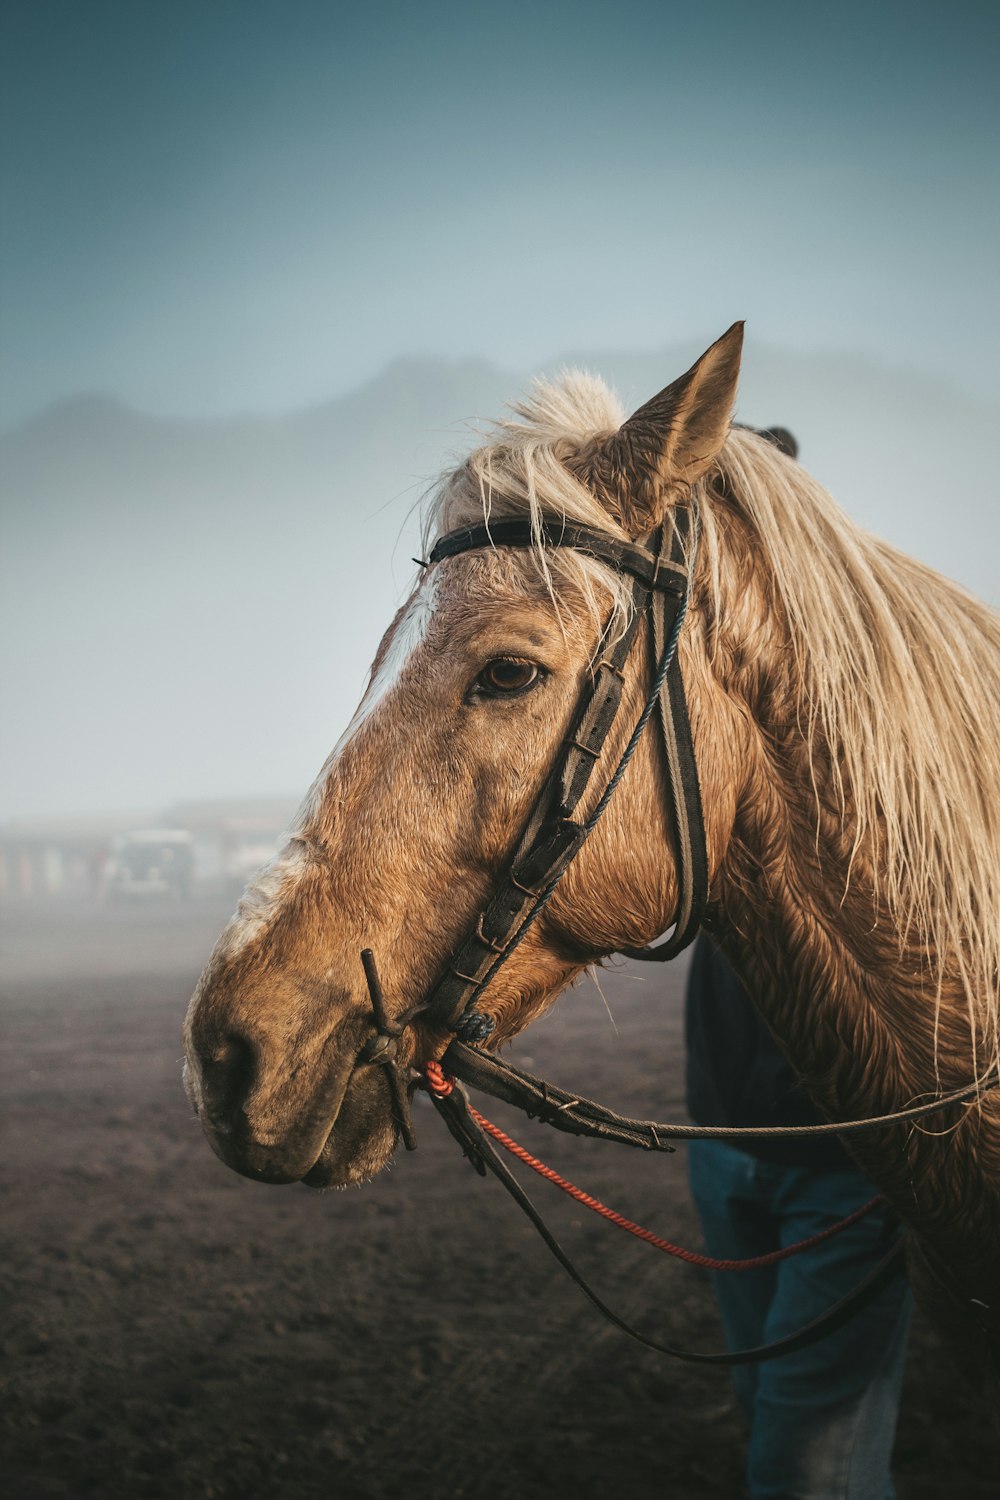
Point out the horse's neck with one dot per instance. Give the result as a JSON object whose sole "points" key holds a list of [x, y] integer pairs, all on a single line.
{"points": [[850, 997], [827, 974], [795, 894], [854, 1010]]}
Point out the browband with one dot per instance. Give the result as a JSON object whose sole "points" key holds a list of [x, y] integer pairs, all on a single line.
{"points": [[660, 573]]}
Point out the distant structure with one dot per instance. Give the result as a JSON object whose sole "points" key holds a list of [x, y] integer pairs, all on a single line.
{"points": [[195, 848]]}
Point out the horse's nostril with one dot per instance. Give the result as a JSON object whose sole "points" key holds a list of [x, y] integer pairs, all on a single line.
{"points": [[227, 1076]]}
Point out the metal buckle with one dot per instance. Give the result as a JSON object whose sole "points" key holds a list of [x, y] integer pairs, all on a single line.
{"points": [[585, 749], [488, 942], [468, 978], [380, 1048], [618, 671]]}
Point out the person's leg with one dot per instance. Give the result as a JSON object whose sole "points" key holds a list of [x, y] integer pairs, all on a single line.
{"points": [[736, 1225], [825, 1418]]}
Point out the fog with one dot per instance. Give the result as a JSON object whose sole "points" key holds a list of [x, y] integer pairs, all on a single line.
{"points": [[260, 278], [263, 268], [192, 607]]}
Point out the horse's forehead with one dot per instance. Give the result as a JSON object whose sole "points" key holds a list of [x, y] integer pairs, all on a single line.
{"points": [[491, 585], [468, 628], [461, 617]]}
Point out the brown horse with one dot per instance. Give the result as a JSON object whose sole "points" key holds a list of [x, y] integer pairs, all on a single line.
{"points": [[845, 713]]}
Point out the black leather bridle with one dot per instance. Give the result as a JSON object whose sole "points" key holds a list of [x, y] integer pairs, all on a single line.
{"points": [[555, 831]]}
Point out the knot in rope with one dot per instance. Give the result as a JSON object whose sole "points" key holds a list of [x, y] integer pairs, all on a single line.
{"points": [[474, 1027], [436, 1080]]}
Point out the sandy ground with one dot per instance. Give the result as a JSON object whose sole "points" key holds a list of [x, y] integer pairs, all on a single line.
{"points": [[176, 1331]]}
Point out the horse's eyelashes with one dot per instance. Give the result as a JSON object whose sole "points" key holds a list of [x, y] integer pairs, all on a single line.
{"points": [[507, 677]]}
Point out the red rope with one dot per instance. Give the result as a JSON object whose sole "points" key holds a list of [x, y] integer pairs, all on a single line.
{"points": [[443, 1086]]}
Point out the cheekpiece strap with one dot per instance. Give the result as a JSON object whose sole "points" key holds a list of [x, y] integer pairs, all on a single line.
{"points": [[555, 830], [687, 821]]}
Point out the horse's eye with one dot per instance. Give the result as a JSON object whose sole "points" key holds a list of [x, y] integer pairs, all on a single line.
{"points": [[506, 677]]}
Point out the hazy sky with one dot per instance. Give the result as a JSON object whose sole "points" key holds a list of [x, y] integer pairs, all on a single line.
{"points": [[214, 206], [211, 205]]}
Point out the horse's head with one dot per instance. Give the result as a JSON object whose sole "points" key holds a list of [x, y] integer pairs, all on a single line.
{"points": [[425, 797]]}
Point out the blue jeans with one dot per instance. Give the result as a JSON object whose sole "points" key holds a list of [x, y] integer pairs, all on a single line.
{"points": [[823, 1420]]}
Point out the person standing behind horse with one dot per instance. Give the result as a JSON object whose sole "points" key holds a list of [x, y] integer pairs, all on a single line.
{"points": [[822, 1420]]}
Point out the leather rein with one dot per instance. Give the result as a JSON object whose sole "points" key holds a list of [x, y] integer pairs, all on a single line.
{"points": [[660, 576]]}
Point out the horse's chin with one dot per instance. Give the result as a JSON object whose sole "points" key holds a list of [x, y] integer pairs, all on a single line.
{"points": [[347, 1161], [361, 1139]]}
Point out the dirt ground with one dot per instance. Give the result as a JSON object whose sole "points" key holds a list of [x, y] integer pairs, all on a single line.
{"points": [[176, 1331]]}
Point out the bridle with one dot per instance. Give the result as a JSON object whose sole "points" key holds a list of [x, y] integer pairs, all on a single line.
{"points": [[555, 832], [660, 574]]}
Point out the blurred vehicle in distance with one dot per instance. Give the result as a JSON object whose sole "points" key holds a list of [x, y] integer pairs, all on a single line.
{"points": [[150, 862], [203, 848]]}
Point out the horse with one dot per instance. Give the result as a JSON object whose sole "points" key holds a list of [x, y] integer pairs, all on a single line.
{"points": [[844, 709]]}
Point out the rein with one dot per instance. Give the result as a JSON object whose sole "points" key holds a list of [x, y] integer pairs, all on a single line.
{"points": [[442, 1086], [580, 1116], [467, 1126], [577, 1115]]}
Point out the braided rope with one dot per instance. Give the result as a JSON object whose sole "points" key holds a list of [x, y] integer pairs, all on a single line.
{"points": [[442, 1086]]}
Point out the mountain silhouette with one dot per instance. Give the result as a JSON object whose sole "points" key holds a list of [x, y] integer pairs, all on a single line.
{"points": [[190, 606]]}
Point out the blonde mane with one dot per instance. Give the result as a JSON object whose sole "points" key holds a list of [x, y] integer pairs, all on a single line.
{"points": [[899, 668], [520, 471]]}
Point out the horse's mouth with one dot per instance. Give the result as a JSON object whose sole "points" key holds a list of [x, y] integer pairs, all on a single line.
{"points": [[334, 1169], [361, 1138], [336, 1142]]}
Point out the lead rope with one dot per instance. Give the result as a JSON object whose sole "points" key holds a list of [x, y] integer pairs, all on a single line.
{"points": [[442, 1086], [477, 1144], [474, 1134]]}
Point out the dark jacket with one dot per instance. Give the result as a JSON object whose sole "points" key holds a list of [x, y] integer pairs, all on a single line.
{"points": [[736, 1074]]}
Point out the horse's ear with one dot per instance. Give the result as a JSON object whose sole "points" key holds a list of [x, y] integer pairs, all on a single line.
{"points": [[667, 444], [782, 440]]}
